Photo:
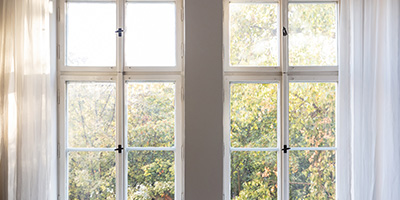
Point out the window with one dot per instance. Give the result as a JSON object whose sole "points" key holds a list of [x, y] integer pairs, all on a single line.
{"points": [[120, 99], [280, 71]]}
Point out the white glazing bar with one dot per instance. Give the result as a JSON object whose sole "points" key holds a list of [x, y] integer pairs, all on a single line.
{"points": [[285, 136], [314, 68], [253, 77], [319, 77], [87, 69], [89, 149], [251, 68], [120, 161], [227, 142], [284, 100], [279, 142], [125, 136], [313, 148], [62, 141], [180, 46], [254, 149], [150, 148], [61, 30], [284, 36], [120, 39]]}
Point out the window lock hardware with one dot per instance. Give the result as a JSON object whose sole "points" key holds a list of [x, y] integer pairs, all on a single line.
{"points": [[285, 148], [119, 149], [284, 31], [119, 31]]}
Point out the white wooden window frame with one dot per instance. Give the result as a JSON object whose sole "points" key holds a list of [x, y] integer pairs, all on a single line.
{"points": [[120, 74], [120, 49], [283, 75]]}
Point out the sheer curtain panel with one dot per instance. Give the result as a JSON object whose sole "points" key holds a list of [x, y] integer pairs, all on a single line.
{"points": [[28, 102], [369, 101]]}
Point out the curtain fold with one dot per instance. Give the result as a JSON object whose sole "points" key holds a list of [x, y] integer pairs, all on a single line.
{"points": [[28, 104], [369, 104]]}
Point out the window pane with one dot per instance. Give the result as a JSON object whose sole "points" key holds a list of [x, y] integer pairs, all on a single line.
{"points": [[253, 175], [91, 175], [90, 35], [253, 34], [254, 114], [150, 34], [312, 114], [151, 114], [151, 175], [312, 174], [312, 34], [91, 114]]}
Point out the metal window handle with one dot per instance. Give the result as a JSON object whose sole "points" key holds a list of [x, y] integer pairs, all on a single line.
{"points": [[119, 149], [284, 31], [285, 148], [119, 31]]}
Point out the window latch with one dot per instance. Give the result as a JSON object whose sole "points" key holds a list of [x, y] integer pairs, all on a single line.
{"points": [[119, 31], [284, 31], [285, 148], [119, 149]]}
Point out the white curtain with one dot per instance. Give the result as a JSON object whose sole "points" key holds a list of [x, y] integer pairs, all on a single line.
{"points": [[28, 104], [369, 100]]}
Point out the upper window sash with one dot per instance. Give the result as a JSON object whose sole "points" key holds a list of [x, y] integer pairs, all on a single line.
{"points": [[121, 62], [283, 44]]}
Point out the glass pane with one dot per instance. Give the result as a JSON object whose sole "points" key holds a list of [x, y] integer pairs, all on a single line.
{"points": [[312, 34], [151, 114], [312, 120], [150, 34], [91, 114], [151, 175], [91, 175], [254, 114], [90, 35], [312, 175], [253, 34], [253, 175]]}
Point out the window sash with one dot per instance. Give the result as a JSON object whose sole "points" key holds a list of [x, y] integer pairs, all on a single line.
{"points": [[120, 49], [283, 74], [121, 130]]}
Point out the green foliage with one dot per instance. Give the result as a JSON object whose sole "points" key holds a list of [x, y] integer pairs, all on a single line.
{"points": [[151, 114], [253, 115], [253, 175], [312, 34], [151, 175], [253, 34], [312, 124]]}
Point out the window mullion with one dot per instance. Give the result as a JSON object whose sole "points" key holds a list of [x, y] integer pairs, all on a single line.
{"points": [[284, 137], [283, 158], [120, 40], [120, 157], [284, 39]]}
